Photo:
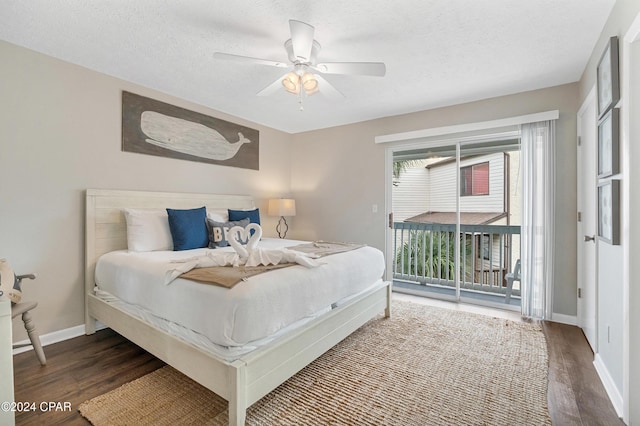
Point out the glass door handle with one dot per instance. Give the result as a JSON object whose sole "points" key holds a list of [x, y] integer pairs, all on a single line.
{"points": [[588, 238]]}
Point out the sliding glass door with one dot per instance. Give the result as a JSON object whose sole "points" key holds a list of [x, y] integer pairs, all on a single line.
{"points": [[424, 220], [490, 206], [456, 221]]}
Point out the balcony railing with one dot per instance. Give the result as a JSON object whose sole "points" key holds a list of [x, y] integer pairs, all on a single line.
{"points": [[424, 253]]}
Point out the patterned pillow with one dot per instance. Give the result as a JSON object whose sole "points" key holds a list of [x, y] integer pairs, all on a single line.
{"points": [[9, 284], [218, 231]]}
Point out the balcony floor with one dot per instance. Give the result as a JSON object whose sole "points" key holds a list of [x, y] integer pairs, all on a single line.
{"points": [[493, 300]]}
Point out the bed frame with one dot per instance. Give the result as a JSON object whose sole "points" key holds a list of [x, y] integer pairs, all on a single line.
{"points": [[243, 381]]}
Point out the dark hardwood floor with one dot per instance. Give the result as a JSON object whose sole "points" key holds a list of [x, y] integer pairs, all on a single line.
{"points": [[77, 370], [576, 395], [82, 368]]}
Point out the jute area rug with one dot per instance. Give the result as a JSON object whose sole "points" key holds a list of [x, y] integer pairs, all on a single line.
{"points": [[424, 366]]}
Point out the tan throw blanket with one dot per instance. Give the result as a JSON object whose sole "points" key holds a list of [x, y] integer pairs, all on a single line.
{"points": [[229, 276], [325, 248]]}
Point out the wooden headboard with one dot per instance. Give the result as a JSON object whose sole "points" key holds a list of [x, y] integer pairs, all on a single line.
{"points": [[106, 229]]}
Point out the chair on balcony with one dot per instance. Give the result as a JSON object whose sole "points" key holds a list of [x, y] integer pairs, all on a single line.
{"points": [[510, 278]]}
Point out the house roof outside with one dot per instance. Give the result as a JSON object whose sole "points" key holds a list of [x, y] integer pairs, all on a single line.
{"points": [[466, 218]]}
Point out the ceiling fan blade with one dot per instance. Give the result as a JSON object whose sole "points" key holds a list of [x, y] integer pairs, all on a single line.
{"points": [[377, 69], [271, 88], [238, 58], [327, 89], [302, 39]]}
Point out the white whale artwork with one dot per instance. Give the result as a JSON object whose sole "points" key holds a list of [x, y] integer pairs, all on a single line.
{"points": [[188, 137]]}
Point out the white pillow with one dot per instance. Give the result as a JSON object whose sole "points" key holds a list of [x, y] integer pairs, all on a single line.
{"points": [[218, 215], [148, 230]]}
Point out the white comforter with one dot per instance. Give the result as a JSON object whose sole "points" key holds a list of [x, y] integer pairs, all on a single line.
{"points": [[253, 309]]}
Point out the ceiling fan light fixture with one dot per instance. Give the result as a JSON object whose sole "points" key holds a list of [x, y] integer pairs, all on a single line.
{"points": [[302, 50], [309, 83], [291, 83]]}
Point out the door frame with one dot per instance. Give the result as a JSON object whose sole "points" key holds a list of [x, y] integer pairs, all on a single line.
{"points": [[631, 343], [590, 101]]}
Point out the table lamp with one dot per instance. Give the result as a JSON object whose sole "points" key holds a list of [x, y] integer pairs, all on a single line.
{"points": [[282, 207]]}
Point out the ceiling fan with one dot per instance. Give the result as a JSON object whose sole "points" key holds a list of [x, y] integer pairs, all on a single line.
{"points": [[305, 76]]}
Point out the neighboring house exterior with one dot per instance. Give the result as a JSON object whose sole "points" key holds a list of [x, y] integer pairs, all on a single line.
{"points": [[430, 186]]}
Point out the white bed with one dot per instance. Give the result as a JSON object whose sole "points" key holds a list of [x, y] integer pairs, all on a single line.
{"points": [[256, 362]]}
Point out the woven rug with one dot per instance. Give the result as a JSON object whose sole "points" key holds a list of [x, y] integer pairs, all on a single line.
{"points": [[424, 366]]}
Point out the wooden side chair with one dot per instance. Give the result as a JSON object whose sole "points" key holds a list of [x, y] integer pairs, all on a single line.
{"points": [[10, 288], [24, 308]]}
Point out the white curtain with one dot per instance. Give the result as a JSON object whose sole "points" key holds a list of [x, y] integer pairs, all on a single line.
{"points": [[538, 224]]}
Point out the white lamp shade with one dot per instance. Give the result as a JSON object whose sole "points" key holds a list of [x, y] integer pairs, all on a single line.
{"points": [[309, 83], [281, 207], [291, 83]]}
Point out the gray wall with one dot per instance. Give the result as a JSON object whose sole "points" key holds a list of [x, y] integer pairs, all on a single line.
{"points": [[346, 177], [60, 134]]}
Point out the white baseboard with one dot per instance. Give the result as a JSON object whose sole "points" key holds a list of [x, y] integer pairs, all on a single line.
{"points": [[609, 385], [564, 319], [54, 337]]}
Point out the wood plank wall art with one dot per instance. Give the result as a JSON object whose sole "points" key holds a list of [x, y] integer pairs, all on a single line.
{"points": [[157, 128]]}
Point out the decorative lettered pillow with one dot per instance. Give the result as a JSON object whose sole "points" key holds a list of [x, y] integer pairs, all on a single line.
{"points": [[218, 231], [9, 284]]}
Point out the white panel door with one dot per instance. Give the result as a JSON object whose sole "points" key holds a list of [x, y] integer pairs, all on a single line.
{"points": [[587, 223]]}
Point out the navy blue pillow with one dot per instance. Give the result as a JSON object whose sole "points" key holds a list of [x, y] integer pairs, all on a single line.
{"points": [[253, 215], [188, 228]]}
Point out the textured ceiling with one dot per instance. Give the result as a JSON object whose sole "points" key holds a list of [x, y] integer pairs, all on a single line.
{"points": [[437, 52]]}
